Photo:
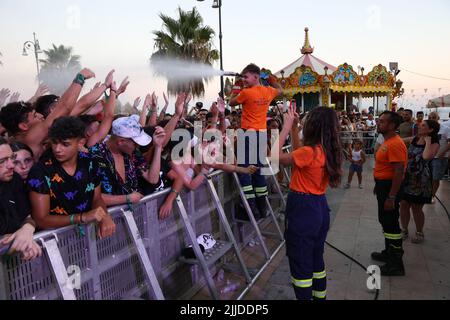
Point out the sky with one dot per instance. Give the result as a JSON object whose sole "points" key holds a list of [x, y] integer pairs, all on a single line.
{"points": [[118, 35]]}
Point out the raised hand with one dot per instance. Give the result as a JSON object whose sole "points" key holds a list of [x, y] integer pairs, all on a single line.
{"points": [[159, 136], [289, 117], [14, 97], [109, 78], [179, 104], [4, 94], [113, 86], [87, 73], [137, 102], [123, 86], [154, 100], [166, 100], [214, 109], [147, 101], [221, 105]]}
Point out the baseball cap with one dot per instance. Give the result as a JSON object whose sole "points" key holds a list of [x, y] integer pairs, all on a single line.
{"points": [[129, 127]]}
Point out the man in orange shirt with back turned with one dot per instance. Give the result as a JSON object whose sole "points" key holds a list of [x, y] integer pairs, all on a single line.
{"points": [[390, 163], [255, 100]]}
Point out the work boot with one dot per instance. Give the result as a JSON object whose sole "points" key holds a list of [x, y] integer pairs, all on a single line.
{"points": [[394, 264], [241, 213], [261, 203], [379, 256]]}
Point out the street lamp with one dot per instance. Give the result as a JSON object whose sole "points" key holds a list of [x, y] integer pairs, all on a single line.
{"points": [[28, 45], [217, 4]]}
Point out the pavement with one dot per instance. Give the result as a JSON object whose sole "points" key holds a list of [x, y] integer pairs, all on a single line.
{"points": [[356, 231]]}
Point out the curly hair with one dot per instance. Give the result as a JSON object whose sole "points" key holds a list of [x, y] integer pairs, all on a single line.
{"points": [[13, 114], [322, 128], [67, 128]]}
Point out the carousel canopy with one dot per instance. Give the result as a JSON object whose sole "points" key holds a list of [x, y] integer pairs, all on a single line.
{"points": [[307, 59]]}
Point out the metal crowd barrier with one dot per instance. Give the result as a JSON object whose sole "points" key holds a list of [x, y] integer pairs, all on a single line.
{"points": [[140, 261], [368, 139]]}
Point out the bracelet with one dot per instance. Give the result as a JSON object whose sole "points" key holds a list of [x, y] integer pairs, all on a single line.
{"points": [[127, 197], [72, 219], [79, 79], [29, 221], [174, 191], [391, 197]]}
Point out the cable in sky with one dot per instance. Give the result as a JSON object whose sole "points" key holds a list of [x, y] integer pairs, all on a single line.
{"points": [[426, 76]]}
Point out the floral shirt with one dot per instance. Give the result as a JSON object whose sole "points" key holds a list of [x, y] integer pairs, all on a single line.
{"points": [[112, 183]]}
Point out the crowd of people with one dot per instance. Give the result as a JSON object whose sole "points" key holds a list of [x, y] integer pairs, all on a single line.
{"points": [[65, 159]]}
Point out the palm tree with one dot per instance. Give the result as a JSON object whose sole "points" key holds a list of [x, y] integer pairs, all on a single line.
{"points": [[59, 68], [187, 39]]}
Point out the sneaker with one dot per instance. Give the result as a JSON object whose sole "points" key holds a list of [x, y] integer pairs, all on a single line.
{"points": [[347, 186], [360, 186], [418, 238]]}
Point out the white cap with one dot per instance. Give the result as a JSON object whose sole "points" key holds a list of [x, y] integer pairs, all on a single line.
{"points": [[129, 127]]}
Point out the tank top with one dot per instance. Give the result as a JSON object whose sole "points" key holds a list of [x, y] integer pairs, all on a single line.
{"points": [[356, 155]]}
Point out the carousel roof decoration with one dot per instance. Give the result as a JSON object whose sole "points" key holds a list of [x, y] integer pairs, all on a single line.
{"points": [[317, 65], [309, 74]]}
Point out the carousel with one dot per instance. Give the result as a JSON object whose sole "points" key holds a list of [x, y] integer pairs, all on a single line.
{"points": [[311, 82]]}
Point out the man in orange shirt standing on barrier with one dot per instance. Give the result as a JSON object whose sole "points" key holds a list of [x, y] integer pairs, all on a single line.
{"points": [[390, 163], [255, 100]]}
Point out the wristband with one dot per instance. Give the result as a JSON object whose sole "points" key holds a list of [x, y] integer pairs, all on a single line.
{"points": [[391, 197], [174, 191], [79, 79], [72, 219]]}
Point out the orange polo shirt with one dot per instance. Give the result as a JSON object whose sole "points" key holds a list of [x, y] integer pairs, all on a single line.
{"points": [[391, 151], [309, 172], [255, 105]]}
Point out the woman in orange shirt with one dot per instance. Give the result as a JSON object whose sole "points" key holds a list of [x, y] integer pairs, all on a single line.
{"points": [[316, 166]]}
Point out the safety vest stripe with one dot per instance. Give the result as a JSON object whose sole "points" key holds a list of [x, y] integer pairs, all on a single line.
{"points": [[320, 294], [261, 189], [392, 236], [302, 283], [320, 275], [262, 193], [250, 196], [247, 188]]}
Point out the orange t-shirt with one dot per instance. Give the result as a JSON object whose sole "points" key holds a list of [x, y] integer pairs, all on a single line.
{"points": [[255, 105], [392, 150], [309, 172]]}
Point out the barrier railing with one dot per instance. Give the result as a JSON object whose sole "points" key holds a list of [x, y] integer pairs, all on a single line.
{"points": [[141, 256]]}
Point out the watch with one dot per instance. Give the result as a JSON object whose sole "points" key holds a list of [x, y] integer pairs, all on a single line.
{"points": [[79, 79]]}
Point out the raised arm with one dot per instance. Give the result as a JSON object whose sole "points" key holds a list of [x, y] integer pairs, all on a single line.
{"points": [[153, 111], [143, 114], [108, 117], [64, 105], [172, 124], [164, 109], [152, 175], [89, 99]]}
